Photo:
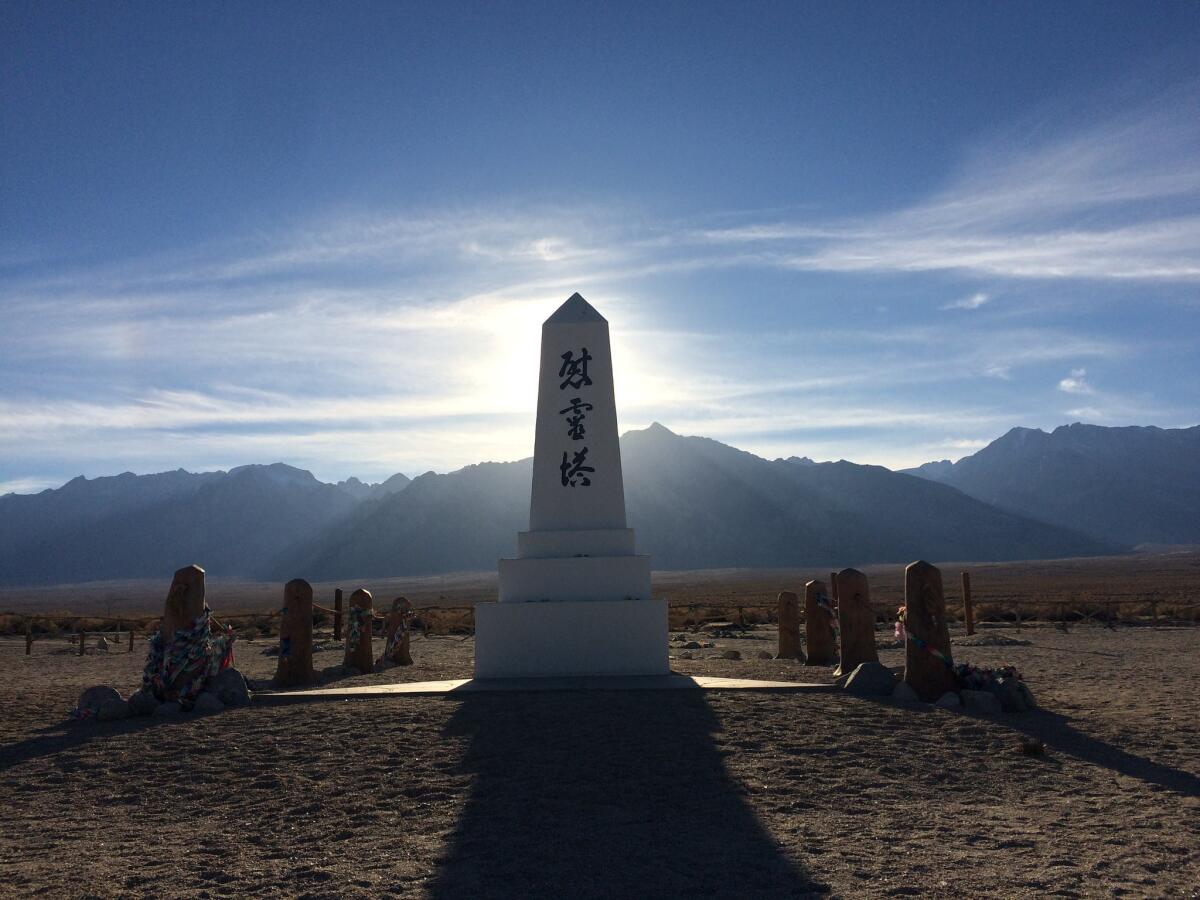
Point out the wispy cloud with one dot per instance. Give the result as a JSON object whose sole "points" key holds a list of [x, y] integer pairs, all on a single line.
{"points": [[974, 301], [1076, 383], [367, 343]]}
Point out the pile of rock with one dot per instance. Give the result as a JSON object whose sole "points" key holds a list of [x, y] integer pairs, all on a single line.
{"points": [[106, 704], [877, 680]]}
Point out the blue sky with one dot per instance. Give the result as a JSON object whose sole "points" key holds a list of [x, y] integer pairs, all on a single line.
{"points": [[327, 233]]}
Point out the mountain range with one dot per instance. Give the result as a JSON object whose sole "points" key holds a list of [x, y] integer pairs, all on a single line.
{"points": [[696, 503], [1127, 486]]}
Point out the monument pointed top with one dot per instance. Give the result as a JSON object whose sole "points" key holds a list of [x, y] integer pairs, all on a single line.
{"points": [[576, 309]]}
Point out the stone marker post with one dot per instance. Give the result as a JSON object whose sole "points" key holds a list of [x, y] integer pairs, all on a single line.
{"points": [[927, 660], [396, 637], [337, 614], [358, 634], [789, 626], [185, 601], [856, 621], [28, 636], [819, 632], [968, 606], [295, 665]]}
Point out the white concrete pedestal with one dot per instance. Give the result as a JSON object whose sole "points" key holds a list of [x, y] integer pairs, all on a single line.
{"points": [[571, 637]]}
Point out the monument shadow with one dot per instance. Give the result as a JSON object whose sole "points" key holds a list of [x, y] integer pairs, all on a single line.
{"points": [[603, 794]]}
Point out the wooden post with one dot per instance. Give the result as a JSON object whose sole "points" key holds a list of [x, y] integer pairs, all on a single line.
{"points": [[337, 614], [28, 635], [82, 641], [130, 637], [358, 654], [789, 626], [295, 665], [856, 621], [184, 604], [968, 606], [396, 648], [928, 666], [1153, 615], [819, 633], [185, 601]]}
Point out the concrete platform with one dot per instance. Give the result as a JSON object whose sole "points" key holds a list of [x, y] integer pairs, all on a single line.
{"points": [[457, 686]]}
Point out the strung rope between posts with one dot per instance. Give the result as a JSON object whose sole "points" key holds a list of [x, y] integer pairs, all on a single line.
{"points": [[934, 651]]}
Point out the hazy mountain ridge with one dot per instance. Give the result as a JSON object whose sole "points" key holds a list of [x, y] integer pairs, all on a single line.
{"points": [[128, 526], [696, 503], [1129, 485]]}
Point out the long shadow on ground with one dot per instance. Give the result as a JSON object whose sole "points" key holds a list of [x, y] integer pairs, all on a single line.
{"points": [[1058, 733], [599, 794]]}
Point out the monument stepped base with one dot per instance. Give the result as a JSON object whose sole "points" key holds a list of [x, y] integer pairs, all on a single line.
{"points": [[575, 578], [571, 637]]}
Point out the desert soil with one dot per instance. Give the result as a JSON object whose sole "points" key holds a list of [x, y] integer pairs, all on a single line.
{"points": [[615, 794]]}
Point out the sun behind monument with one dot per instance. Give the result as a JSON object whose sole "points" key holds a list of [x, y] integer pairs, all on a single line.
{"points": [[576, 600]]}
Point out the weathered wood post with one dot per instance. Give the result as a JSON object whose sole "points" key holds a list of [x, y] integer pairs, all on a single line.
{"points": [[358, 633], [856, 621], [819, 632], [295, 665], [28, 635], [968, 606], [928, 666], [789, 626], [396, 636], [82, 640], [185, 601], [337, 614], [130, 637]]}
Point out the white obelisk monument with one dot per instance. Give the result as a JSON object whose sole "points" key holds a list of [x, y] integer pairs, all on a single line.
{"points": [[576, 600]]}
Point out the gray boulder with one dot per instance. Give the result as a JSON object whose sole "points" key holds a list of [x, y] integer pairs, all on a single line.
{"points": [[949, 700], [904, 693], [230, 688], [112, 710], [684, 655], [94, 697], [871, 679], [731, 654], [208, 702], [692, 645], [764, 654], [331, 673], [982, 702], [1009, 694], [142, 703], [168, 709]]}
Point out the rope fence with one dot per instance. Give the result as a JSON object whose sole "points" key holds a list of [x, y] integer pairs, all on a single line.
{"points": [[430, 622]]}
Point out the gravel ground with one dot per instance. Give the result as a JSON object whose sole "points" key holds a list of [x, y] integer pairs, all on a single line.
{"points": [[611, 794]]}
